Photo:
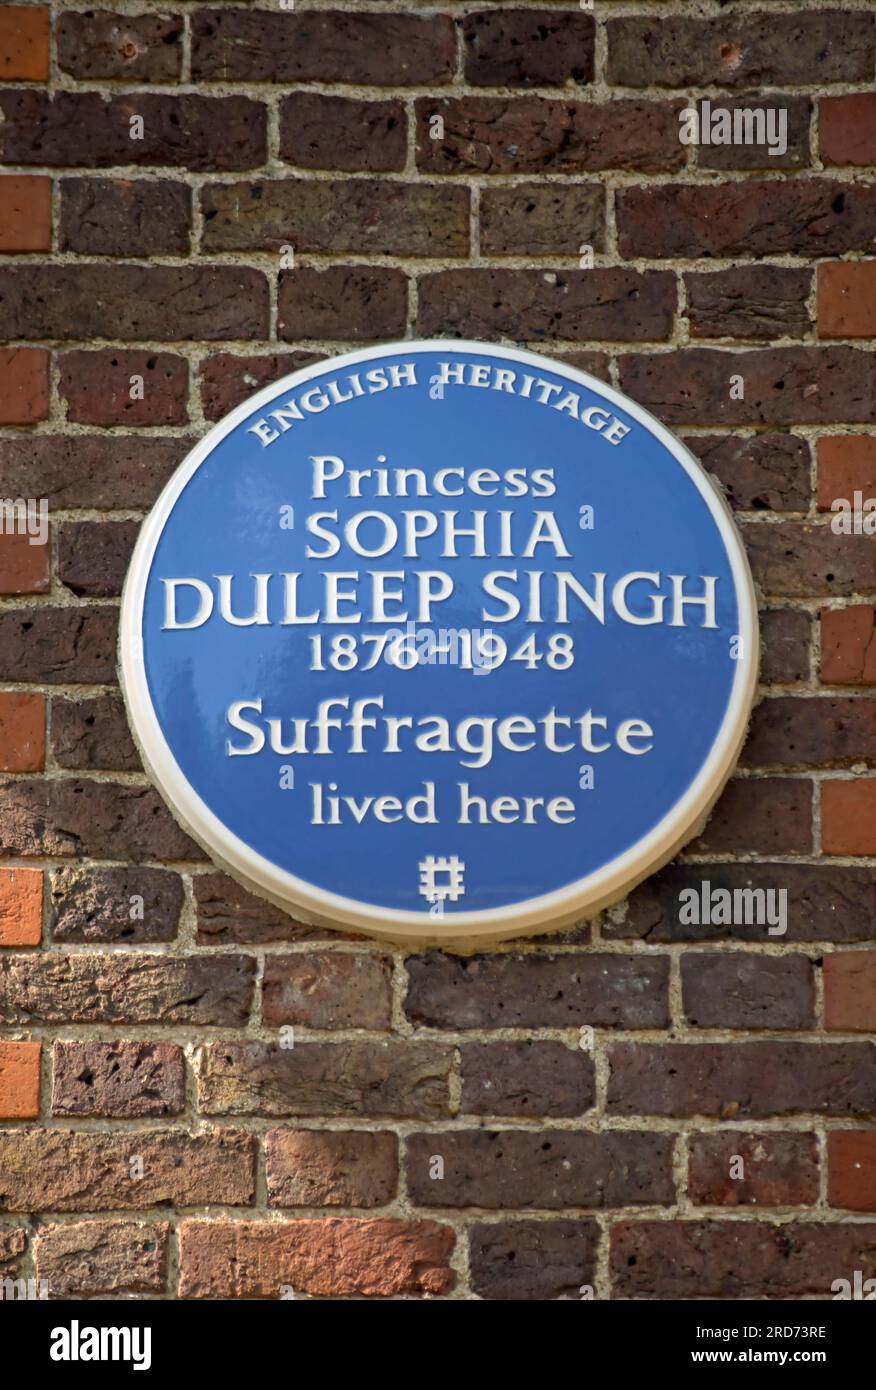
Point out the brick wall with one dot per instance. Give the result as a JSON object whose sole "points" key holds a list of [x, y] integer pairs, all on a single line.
{"points": [[153, 1124]]}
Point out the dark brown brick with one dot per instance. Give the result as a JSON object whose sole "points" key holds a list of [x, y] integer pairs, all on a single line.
{"points": [[355, 302], [826, 902], [133, 301], [127, 988], [600, 303], [328, 132], [55, 1170], [808, 217], [72, 817], [739, 50], [799, 560], [99, 45], [88, 470], [798, 115], [227, 914], [125, 1080], [778, 1170], [526, 1078], [742, 990], [91, 904], [765, 472], [528, 48], [749, 302], [228, 379], [93, 733], [782, 386], [533, 1259], [93, 556], [736, 1259], [742, 1080], [763, 815], [253, 1078], [82, 130], [786, 634], [394, 50], [544, 1168], [86, 1259], [534, 219], [537, 991], [787, 731], [125, 217], [531, 135], [328, 989], [364, 216], [331, 1168], [99, 390], [58, 645]]}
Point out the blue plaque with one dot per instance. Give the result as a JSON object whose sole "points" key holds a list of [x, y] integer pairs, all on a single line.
{"points": [[443, 641]]}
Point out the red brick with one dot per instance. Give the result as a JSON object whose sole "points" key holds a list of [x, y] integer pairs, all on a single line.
{"points": [[778, 1170], [21, 907], [19, 1081], [22, 732], [338, 1257], [848, 645], [25, 212], [24, 567], [850, 991], [24, 43], [848, 816], [24, 385], [846, 464], [847, 128], [395, 50], [851, 1168], [99, 45], [847, 299], [97, 387]]}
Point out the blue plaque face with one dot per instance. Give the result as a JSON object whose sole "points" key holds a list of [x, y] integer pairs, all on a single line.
{"points": [[440, 640]]}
